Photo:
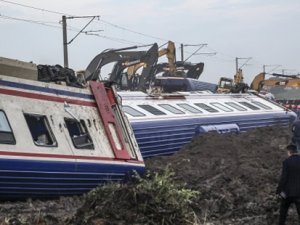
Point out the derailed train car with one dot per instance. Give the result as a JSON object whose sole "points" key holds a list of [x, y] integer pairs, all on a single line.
{"points": [[163, 124]]}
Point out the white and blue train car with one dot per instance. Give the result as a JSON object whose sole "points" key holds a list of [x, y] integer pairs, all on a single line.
{"points": [[57, 140], [163, 124]]}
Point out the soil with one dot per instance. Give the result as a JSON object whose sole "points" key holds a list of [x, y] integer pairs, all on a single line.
{"points": [[236, 176]]}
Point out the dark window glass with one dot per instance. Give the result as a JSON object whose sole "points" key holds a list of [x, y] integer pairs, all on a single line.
{"points": [[236, 106], [171, 108], [6, 134], [152, 110], [189, 108], [40, 130], [250, 106], [206, 107], [222, 107], [131, 111], [79, 134], [261, 105]]}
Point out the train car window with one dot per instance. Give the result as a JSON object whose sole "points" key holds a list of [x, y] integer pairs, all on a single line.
{"points": [[222, 107], [171, 108], [189, 108], [131, 111], [79, 134], [206, 107], [6, 133], [236, 106], [152, 110], [250, 106], [40, 130], [261, 105]]}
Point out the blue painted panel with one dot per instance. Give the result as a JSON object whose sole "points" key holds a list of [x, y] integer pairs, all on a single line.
{"points": [[30, 178], [164, 137]]}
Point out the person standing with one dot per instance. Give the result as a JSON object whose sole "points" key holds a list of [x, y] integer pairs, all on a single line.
{"points": [[296, 133], [289, 185]]}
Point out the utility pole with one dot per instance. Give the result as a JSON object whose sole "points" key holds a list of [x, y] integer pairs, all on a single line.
{"points": [[237, 67], [274, 68], [195, 52], [65, 42], [182, 58], [65, 38]]}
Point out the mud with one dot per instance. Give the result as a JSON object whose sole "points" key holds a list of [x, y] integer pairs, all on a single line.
{"points": [[236, 176]]}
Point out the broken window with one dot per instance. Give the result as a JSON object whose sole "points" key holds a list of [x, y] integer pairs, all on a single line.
{"points": [[6, 134], [79, 134], [40, 130]]}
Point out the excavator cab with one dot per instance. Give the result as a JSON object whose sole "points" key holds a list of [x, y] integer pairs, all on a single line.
{"points": [[225, 85], [235, 85]]}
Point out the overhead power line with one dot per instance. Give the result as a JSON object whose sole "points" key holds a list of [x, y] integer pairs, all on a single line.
{"points": [[132, 31], [32, 7], [104, 21], [44, 23], [120, 40], [73, 29]]}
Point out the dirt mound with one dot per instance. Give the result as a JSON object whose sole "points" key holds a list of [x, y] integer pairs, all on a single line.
{"points": [[236, 175]]}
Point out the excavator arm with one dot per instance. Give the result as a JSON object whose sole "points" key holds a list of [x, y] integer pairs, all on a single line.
{"points": [[257, 82], [112, 55], [169, 52], [148, 59], [123, 60]]}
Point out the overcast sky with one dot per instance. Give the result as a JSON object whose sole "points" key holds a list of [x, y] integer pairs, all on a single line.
{"points": [[268, 31]]}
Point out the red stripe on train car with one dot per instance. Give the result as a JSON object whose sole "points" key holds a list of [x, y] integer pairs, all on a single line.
{"points": [[60, 156], [46, 97]]}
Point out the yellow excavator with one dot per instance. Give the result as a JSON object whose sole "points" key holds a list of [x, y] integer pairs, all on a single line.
{"points": [[284, 88], [235, 85], [259, 82], [169, 52]]}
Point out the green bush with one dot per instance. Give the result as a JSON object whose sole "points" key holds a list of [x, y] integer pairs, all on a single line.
{"points": [[151, 200]]}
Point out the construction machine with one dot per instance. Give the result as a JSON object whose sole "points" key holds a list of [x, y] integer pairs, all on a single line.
{"points": [[93, 71], [135, 81], [285, 88], [259, 82], [124, 72], [123, 59], [169, 52], [235, 85]]}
